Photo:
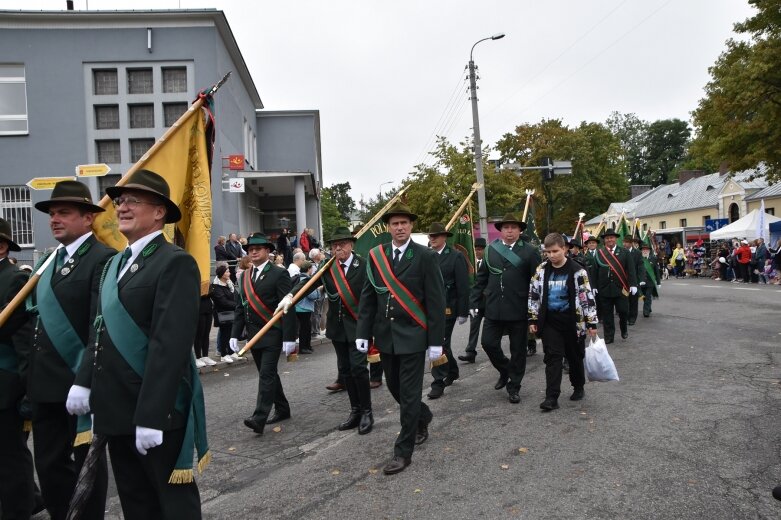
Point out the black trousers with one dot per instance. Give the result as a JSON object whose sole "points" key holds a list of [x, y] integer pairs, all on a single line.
{"points": [[474, 334], [202, 331], [142, 480], [353, 374], [608, 306], [515, 367], [16, 467], [633, 304], [449, 369], [404, 377], [648, 298], [58, 463], [375, 371], [560, 340], [270, 390], [304, 330]]}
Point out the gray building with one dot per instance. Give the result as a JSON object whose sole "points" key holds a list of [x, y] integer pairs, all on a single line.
{"points": [[85, 87]]}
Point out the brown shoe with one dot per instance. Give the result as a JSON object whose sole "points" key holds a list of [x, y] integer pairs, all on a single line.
{"points": [[375, 384], [396, 465], [336, 386]]}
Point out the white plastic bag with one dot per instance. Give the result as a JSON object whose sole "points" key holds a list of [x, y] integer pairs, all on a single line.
{"points": [[598, 364]]}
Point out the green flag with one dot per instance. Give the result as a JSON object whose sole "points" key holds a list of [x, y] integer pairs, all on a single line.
{"points": [[374, 236], [623, 229], [463, 240], [531, 230]]}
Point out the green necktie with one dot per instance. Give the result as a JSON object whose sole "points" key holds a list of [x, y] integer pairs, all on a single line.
{"points": [[60, 260], [126, 254]]}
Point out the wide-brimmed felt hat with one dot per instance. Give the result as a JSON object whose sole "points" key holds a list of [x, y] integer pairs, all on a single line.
{"points": [[645, 246], [609, 233], [480, 242], [341, 233], [399, 209], [6, 233], [509, 218], [592, 237], [438, 228], [259, 239], [150, 182], [71, 192]]}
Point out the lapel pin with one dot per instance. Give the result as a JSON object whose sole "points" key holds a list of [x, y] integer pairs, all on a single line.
{"points": [[134, 268], [70, 260], [65, 271]]}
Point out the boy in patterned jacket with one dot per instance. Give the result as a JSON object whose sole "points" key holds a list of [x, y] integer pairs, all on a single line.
{"points": [[562, 311]]}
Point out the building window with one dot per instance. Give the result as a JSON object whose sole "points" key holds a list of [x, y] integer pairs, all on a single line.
{"points": [[706, 217], [662, 224], [104, 82], [141, 116], [139, 81], [13, 100], [770, 211], [138, 147], [16, 208], [683, 222], [173, 111], [107, 181], [106, 117], [108, 151], [645, 227], [174, 79]]}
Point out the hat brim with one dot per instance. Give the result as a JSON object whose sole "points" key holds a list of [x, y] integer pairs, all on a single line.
{"points": [[411, 216], [172, 215], [268, 245], [609, 234], [441, 233], [12, 246], [338, 238], [44, 205], [498, 225]]}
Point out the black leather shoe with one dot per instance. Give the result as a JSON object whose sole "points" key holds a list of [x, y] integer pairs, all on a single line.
{"points": [[514, 398], [436, 392], [277, 417], [501, 383], [631, 323], [352, 421], [531, 350], [608, 341], [396, 465], [467, 358], [253, 425], [449, 380], [422, 434], [367, 421], [549, 404], [624, 335], [306, 351], [646, 315], [578, 394]]}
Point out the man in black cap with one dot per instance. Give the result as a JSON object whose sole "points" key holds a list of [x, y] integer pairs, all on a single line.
{"points": [[403, 308], [637, 261], [16, 463], [343, 284], [455, 274], [614, 279], [260, 289], [140, 380], [474, 321], [504, 279], [66, 299]]}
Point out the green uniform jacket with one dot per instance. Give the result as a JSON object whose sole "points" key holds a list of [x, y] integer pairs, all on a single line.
{"points": [[162, 296], [273, 284], [506, 292], [637, 258], [455, 274], [340, 325], [14, 336], [50, 378], [382, 318], [603, 279]]}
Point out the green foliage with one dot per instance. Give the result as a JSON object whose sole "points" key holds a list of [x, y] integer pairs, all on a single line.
{"points": [[631, 132], [739, 119], [340, 195], [332, 217]]}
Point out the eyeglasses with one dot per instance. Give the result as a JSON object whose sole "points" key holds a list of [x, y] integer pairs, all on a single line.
{"points": [[131, 202]]}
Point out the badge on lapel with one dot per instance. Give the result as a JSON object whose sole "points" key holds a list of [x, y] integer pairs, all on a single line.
{"points": [[65, 271]]}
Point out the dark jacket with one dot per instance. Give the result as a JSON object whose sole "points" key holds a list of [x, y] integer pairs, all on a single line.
{"points": [[14, 337], [606, 283], [455, 274], [221, 254]]}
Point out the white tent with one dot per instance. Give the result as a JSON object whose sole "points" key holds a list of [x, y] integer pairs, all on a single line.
{"points": [[745, 227]]}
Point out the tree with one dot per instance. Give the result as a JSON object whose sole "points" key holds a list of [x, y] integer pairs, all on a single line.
{"points": [[667, 143], [631, 132], [739, 119], [332, 217], [340, 195]]}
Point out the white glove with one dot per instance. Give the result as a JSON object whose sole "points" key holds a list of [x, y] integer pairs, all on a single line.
{"points": [[362, 345], [288, 347], [434, 353], [147, 438], [233, 343], [594, 290], [633, 290], [78, 400], [461, 320], [474, 312], [285, 303], [642, 284]]}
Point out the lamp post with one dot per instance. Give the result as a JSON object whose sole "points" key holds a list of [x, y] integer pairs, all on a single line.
{"points": [[481, 208], [383, 184]]}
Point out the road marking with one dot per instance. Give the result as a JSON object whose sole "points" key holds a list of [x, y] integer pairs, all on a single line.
{"points": [[712, 286], [746, 289]]}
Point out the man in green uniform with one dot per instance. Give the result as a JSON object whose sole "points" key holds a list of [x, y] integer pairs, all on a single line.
{"points": [[261, 288], [637, 261], [615, 278], [403, 307], [651, 280], [140, 380], [455, 274], [343, 284], [504, 279], [66, 299], [16, 463]]}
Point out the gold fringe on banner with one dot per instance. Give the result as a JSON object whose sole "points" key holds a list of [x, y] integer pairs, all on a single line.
{"points": [[82, 438]]}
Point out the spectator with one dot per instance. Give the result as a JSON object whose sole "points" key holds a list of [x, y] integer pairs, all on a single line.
{"points": [[201, 345], [743, 257], [304, 309], [222, 293], [243, 242], [313, 243], [221, 254], [316, 256], [678, 259], [295, 266], [243, 265], [766, 273], [283, 246], [234, 248], [303, 242], [279, 260]]}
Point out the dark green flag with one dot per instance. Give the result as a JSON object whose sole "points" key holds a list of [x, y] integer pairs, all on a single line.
{"points": [[463, 240], [531, 229], [623, 229], [374, 236]]}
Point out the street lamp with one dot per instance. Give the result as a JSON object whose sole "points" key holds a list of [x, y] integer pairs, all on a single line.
{"points": [[481, 208], [383, 184]]}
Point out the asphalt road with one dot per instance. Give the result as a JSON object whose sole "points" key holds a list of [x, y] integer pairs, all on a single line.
{"points": [[690, 431]]}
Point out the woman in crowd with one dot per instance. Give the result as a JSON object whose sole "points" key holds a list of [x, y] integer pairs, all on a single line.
{"points": [[304, 309], [678, 259], [243, 265], [223, 294]]}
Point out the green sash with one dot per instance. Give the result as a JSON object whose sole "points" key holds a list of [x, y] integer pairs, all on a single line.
{"points": [[345, 293], [8, 361], [399, 291], [506, 253], [650, 270], [132, 344]]}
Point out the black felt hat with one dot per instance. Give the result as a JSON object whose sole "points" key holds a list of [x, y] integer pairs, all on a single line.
{"points": [[480, 242], [509, 218], [341, 233], [438, 228], [399, 209], [149, 181], [71, 192], [6, 233]]}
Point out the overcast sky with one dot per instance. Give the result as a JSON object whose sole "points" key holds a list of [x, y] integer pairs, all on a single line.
{"points": [[388, 76]]}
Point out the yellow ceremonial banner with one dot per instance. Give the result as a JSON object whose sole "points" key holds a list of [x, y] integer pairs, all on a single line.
{"points": [[181, 158]]}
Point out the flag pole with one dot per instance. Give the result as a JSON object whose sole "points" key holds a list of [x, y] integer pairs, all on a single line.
{"points": [[529, 194], [320, 272], [577, 226], [461, 208]]}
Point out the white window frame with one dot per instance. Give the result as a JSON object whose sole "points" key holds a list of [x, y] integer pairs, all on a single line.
{"points": [[9, 80], [16, 202]]}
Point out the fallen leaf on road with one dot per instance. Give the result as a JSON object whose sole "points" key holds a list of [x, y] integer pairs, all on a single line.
{"points": [[505, 466], [583, 413], [523, 450], [335, 472], [418, 490], [226, 375], [277, 429], [231, 449], [373, 471]]}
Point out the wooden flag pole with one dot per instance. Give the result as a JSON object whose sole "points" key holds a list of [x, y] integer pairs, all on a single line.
{"points": [[461, 208], [577, 226], [529, 194]]}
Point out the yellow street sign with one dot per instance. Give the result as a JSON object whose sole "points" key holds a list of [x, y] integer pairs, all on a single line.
{"points": [[92, 170], [46, 183]]}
